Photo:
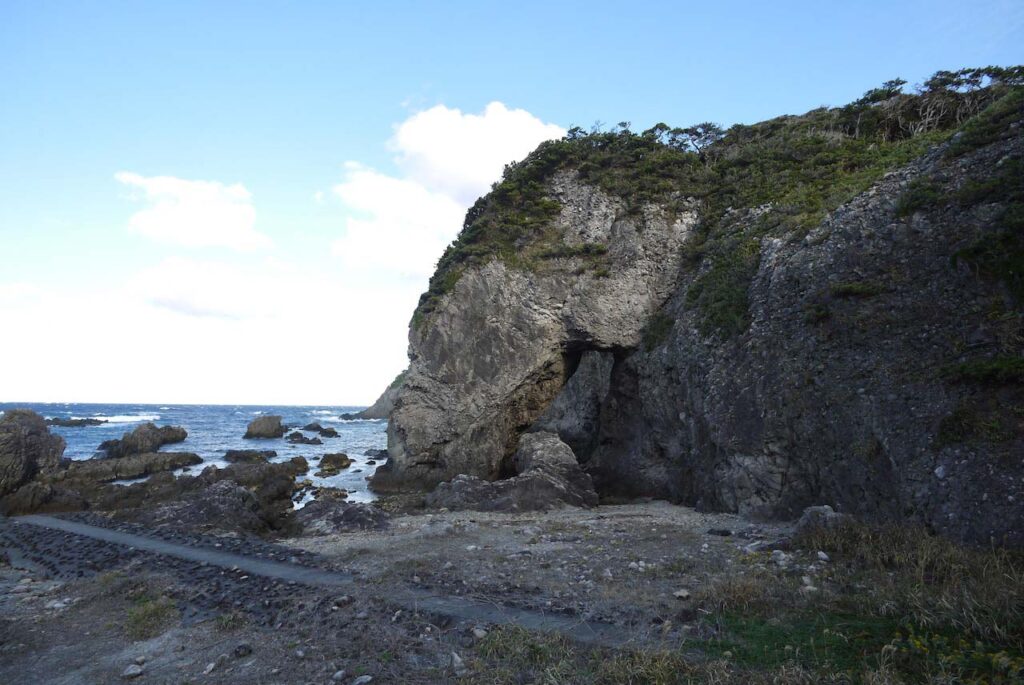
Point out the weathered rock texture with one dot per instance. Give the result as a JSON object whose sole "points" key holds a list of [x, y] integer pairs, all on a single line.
{"points": [[265, 427], [838, 391], [128, 467], [504, 342], [26, 449], [146, 438], [548, 477]]}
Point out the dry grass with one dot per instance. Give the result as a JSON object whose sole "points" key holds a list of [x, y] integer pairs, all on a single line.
{"points": [[932, 581], [513, 655], [150, 617]]}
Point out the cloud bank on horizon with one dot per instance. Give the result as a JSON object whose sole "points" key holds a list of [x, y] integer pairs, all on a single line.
{"points": [[228, 314]]}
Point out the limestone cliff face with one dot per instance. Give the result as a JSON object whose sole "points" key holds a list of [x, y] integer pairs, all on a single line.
{"points": [[879, 369], [501, 345]]}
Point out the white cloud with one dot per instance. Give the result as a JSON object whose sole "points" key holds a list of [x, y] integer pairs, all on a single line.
{"points": [[195, 213], [257, 328], [400, 225], [395, 225], [459, 154]]}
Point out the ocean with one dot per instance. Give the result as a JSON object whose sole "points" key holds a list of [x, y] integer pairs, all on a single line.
{"points": [[213, 429]]}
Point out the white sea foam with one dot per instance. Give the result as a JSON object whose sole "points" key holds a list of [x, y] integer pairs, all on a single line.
{"points": [[324, 412], [123, 418]]}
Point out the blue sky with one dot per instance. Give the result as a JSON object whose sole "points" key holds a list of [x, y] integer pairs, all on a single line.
{"points": [[208, 186]]}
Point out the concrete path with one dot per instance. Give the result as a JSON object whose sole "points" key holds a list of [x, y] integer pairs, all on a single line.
{"points": [[458, 608]]}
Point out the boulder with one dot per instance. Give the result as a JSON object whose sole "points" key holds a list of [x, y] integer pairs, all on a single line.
{"points": [[326, 516], [299, 439], [314, 427], [548, 477], [26, 449], [248, 456], [328, 433], [819, 517], [332, 464], [146, 438], [265, 427]]}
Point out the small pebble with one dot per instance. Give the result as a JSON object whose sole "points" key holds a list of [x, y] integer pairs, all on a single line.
{"points": [[133, 671]]}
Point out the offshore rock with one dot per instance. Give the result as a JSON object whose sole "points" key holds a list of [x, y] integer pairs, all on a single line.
{"points": [[248, 456], [26, 449], [74, 423], [332, 464], [265, 427], [146, 438]]}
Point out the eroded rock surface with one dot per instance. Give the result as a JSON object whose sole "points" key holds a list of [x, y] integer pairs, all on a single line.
{"points": [[146, 438], [548, 477], [26, 449], [265, 427], [502, 344], [837, 383]]}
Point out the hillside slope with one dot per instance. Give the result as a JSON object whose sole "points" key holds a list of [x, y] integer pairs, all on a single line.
{"points": [[815, 309]]}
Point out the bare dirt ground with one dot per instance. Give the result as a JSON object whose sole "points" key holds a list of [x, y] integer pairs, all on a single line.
{"points": [[634, 567], [635, 593]]}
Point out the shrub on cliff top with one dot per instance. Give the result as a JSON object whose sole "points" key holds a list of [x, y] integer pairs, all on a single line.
{"points": [[799, 168]]}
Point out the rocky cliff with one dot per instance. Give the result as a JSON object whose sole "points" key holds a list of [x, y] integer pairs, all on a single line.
{"points": [[824, 309]]}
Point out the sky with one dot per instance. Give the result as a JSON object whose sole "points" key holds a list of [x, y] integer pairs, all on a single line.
{"points": [[240, 202]]}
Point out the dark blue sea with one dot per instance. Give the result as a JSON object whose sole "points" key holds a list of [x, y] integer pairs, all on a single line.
{"points": [[213, 429]]}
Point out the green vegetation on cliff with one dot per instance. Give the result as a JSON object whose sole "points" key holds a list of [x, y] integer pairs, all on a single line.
{"points": [[793, 170]]}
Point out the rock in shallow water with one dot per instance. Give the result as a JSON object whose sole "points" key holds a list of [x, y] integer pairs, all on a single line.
{"points": [[248, 456], [146, 438], [265, 427]]}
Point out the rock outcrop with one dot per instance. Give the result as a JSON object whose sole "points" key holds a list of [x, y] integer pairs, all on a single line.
{"points": [[146, 438], [298, 438], [548, 477], [333, 464], [248, 456], [128, 467], [332, 515], [26, 449], [502, 344], [382, 408], [742, 356], [265, 427], [74, 423]]}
